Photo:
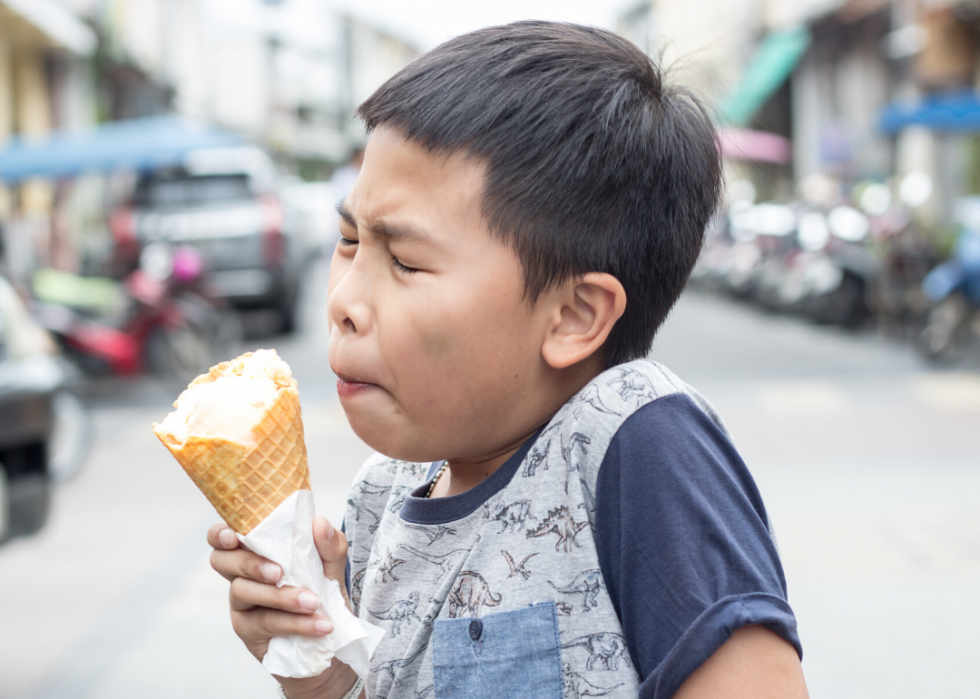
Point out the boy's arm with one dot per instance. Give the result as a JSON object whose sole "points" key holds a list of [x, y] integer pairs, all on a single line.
{"points": [[260, 610], [754, 663], [686, 554]]}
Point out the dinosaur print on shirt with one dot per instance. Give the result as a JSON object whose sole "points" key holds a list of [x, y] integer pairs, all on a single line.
{"points": [[529, 541]]}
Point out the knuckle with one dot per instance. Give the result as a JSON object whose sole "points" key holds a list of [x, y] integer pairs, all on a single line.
{"points": [[238, 588], [269, 621], [241, 564], [226, 563], [286, 598]]}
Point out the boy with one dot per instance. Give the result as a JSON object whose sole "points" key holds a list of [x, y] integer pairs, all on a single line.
{"points": [[556, 516]]}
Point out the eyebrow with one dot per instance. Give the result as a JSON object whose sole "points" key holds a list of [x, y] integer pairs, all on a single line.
{"points": [[382, 229]]}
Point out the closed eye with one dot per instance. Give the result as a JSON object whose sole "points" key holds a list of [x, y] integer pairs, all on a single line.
{"points": [[397, 264], [346, 242]]}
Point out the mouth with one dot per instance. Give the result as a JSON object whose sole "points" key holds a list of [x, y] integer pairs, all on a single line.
{"points": [[348, 386]]}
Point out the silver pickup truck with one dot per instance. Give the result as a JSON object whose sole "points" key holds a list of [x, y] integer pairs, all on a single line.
{"points": [[227, 204]]}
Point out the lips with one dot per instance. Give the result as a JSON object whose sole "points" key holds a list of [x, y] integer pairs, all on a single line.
{"points": [[347, 386]]}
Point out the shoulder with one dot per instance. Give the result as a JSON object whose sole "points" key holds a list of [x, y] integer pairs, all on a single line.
{"points": [[676, 423], [673, 451], [641, 399], [645, 384], [617, 393]]}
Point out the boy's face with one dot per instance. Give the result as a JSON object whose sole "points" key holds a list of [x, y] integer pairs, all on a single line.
{"points": [[437, 352]]}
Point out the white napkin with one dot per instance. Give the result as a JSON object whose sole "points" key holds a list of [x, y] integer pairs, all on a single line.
{"points": [[286, 537]]}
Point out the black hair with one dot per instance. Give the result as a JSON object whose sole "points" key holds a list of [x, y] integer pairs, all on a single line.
{"points": [[592, 163]]}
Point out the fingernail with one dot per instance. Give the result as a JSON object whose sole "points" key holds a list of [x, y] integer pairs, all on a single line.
{"points": [[270, 571], [307, 600], [330, 531], [227, 538], [323, 625]]}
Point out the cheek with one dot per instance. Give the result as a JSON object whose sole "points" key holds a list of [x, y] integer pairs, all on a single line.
{"points": [[420, 333], [437, 342], [454, 334]]}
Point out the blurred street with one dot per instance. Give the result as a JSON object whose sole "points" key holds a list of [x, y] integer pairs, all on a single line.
{"points": [[169, 168], [866, 459]]}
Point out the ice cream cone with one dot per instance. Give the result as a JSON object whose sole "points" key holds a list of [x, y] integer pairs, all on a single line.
{"points": [[245, 470]]}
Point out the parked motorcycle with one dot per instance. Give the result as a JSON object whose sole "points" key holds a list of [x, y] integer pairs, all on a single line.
{"points": [[760, 233], [953, 288], [150, 320], [187, 275], [847, 271]]}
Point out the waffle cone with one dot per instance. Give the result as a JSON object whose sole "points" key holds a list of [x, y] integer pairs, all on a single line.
{"points": [[246, 483]]}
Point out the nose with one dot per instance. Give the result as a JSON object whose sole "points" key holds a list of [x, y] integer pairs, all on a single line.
{"points": [[348, 301]]}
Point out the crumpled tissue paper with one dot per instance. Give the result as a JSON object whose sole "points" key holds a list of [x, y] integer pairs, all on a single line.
{"points": [[286, 538]]}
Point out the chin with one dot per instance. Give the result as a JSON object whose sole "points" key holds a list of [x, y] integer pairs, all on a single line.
{"points": [[389, 440]]}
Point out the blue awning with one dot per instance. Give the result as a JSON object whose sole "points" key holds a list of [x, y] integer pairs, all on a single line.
{"points": [[957, 111], [139, 144]]}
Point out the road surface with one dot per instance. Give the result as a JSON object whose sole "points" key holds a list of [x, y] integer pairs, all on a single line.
{"points": [[867, 460]]}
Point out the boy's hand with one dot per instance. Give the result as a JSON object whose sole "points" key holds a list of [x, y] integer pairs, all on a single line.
{"points": [[260, 610]]}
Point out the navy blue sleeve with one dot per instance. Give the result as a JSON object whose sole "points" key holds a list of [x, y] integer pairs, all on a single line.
{"points": [[684, 544]]}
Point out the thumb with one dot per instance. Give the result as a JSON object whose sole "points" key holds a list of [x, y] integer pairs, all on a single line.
{"points": [[331, 544]]}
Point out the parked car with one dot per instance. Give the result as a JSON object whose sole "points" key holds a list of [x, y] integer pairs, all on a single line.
{"points": [[228, 204], [44, 430]]}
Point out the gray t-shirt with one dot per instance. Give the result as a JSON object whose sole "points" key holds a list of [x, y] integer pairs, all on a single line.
{"points": [[584, 566]]}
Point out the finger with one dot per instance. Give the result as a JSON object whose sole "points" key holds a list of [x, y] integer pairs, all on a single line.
{"points": [[245, 564], [221, 536], [247, 594], [258, 626], [331, 544]]}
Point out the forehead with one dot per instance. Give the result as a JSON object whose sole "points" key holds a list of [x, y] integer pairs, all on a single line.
{"points": [[403, 182]]}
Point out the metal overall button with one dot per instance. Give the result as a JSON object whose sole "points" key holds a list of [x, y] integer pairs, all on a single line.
{"points": [[476, 629]]}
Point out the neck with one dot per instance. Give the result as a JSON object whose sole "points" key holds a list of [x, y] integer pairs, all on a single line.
{"points": [[464, 474]]}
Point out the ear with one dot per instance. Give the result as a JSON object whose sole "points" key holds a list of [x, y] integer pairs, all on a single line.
{"points": [[587, 308]]}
